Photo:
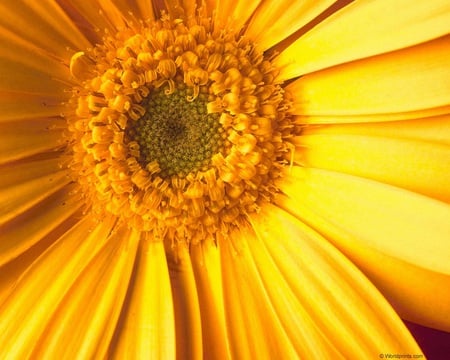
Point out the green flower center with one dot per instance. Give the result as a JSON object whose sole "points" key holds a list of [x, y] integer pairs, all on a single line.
{"points": [[176, 133]]}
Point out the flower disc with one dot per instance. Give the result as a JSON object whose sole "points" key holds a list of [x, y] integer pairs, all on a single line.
{"points": [[180, 129]]}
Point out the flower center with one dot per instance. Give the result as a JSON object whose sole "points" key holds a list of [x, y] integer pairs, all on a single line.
{"points": [[176, 133], [178, 128]]}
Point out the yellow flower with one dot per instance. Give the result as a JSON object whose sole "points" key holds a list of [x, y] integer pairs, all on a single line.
{"points": [[199, 179]]}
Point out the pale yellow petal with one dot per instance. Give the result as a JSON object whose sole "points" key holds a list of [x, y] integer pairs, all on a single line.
{"points": [[419, 294], [363, 29], [84, 322], [347, 119], [208, 278], [273, 21], [434, 129], [393, 221], [407, 80], [418, 166], [386, 84], [147, 327], [25, 138], [337, 299], [27, 310]]}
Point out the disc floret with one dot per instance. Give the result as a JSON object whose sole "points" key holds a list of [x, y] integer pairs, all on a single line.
{"points": [[179, 129]]}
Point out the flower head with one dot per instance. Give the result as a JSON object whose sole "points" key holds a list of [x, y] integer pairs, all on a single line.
{"points": [[180, 128], [207, 179]]}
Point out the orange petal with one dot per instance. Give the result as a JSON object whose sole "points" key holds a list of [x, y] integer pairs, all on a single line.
{"points": [[26, 138], [279, 19], [52, 30], [232, 14]]}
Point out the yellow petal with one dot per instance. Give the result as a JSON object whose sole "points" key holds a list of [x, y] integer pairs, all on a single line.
{"points": [[233, 14], [254, 330], [291, 294], [386, 218], [370, 221], [23, 232], [398, 225], [364, 29], [84, 322], [417, 166], [27, 170], [147, 327], [101, 14], [26, 138], [388, 83], [347, 119], [186, 304], [338, 297], [141, 9], [279, 19], [38, 105], [419, 294], [28, 68], [25, 237], [146, 9], [210, 5], [52, 29], [19, 197], [208, 277], [27, 83], [27, 310], [434, 129]]}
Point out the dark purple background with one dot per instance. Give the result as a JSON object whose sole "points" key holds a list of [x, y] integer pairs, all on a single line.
{"points": [[435, 344]]}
